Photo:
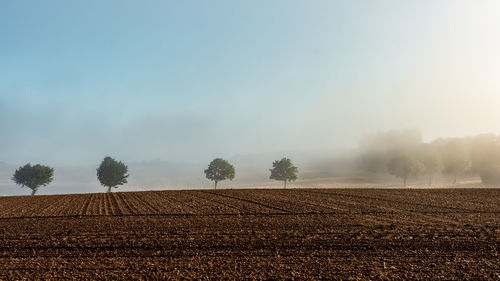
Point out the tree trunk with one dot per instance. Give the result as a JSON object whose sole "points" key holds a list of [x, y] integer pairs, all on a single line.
{"points": [[215, 184], [109, 189], [455, 180], [404, 181], [284, 186], [430, 179], [33, 191]]}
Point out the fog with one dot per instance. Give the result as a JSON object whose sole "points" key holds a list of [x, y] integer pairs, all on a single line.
{"points": [[365, 165], [168, 87]]}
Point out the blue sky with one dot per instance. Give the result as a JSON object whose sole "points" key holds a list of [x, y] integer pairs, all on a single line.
{"points": [[193, 80]]}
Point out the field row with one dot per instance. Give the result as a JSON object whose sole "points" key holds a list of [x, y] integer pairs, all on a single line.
{"points": [[260, 201]]}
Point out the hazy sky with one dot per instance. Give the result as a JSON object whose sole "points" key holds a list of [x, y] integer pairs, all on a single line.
{"points": [[192, 80]]}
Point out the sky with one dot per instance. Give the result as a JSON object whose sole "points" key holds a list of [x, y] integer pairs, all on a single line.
{"points": [[188, 81]]}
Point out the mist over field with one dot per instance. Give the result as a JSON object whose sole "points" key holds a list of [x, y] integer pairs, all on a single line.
{"points": [[167, 87], [365, 165]]}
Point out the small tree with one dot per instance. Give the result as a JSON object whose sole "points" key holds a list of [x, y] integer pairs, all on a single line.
{"points": [[284, 170], [112, 173], [431, 160], [33, 176], [455, 158], [485, 158], [219, 170], [404, 166]]}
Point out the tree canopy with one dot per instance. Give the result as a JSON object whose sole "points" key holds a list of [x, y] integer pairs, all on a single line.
{"points": [[284, 170], [219, 170], [404, 166], [112, 173], [431, 160], [376, 150], [456, 159], [485, 157], [33, 176]]}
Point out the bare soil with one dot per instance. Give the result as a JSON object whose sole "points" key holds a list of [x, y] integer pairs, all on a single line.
{"points": [[301, 234]]}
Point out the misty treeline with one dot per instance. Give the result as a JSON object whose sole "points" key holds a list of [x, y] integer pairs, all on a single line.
{"points": [[112, 173], [403, 154], [220, 169]]}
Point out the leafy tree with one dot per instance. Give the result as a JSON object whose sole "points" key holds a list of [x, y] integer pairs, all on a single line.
{"points": [[33, 176], [283, 170], [112, 173], [455, 157], [404, 166], [376, 150], [431, 160], [485, 157], [219, 170]]}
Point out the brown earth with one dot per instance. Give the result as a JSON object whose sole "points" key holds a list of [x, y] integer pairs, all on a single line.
{"points": [[302, 234]]}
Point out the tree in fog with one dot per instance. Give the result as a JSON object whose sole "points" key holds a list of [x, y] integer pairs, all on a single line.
{"points": [[404, 166], [455, 157], [284, 170], [112, 173], [33, 176], [376, 150], [219, 170], [485, 157], [430, 158]]}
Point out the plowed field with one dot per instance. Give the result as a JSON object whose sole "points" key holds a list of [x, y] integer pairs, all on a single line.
{"points": [[302, 234]]}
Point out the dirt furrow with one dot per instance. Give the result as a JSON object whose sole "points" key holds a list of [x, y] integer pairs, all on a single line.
{"points": [[249, 201]]}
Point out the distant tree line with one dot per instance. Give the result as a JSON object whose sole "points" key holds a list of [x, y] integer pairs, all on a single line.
{"points": [[403, 154], [112, 173], [220, 169]]}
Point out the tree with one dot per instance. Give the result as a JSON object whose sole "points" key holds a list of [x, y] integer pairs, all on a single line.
{"points": [[455, 157], [219, 170], [404, 166], [112, 173], [485, 157], [33, 176], [376, 150], [431, 160], [283, 170]]}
